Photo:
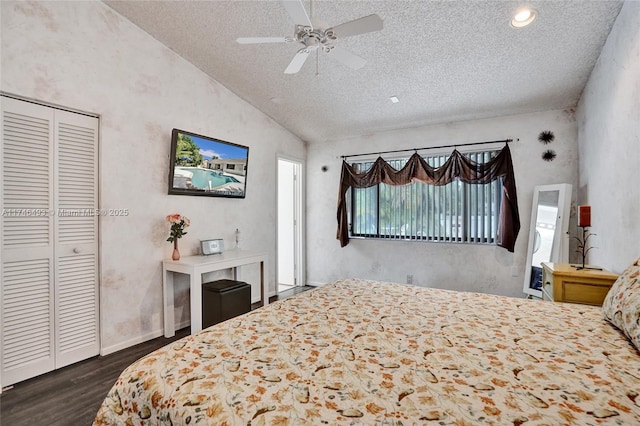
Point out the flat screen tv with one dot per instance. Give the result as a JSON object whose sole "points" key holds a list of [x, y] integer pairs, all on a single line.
{"points": [[205, 166]]}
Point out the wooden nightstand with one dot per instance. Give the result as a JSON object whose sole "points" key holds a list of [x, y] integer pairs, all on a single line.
{"points": [[562, 282]]}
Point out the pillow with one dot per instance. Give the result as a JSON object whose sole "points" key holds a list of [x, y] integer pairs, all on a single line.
{"points": [[621, 307]]}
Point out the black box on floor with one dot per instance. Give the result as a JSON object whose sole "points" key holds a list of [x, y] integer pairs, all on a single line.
{"points": [[224, 299]]}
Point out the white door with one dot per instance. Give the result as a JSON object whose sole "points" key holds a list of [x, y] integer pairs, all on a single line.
{"points": [[76, 228], [289, 270], [27, 274], [48, 257]]}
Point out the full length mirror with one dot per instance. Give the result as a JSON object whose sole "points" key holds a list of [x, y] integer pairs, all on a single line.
{"points": [[548, 235]]}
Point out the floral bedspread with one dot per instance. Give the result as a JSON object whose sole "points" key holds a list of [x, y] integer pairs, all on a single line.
{"points": [[362, 352]]}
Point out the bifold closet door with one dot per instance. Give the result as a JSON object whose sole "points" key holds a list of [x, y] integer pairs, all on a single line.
{"points": [[76, 237], [27, 290], [48, 276]]}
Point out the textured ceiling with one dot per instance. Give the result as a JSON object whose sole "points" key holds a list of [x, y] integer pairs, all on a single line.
{"points": [[445, 60]]}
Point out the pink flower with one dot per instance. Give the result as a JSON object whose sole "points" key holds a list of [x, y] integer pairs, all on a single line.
{"points": [[178, 223], [174, 218]]}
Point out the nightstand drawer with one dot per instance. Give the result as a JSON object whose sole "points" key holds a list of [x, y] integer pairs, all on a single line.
{"points": [[587, 293]]}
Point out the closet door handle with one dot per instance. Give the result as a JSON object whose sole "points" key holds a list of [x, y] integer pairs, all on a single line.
{"points": [[76, 250]]}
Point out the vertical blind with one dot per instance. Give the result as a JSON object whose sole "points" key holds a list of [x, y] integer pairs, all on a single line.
{"points": [[446, 179], [455, 212]]}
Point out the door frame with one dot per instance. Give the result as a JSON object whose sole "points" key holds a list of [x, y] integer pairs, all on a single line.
{"points": [[299, 217]]}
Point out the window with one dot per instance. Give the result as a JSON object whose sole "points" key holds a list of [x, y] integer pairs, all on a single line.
{"points": [[456, 212]]}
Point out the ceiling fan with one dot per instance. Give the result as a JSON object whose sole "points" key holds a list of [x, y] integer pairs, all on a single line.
{"points": [[314, 38]]}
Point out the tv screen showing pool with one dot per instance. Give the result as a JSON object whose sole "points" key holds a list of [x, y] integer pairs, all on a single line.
{"points": [[202, 165]]}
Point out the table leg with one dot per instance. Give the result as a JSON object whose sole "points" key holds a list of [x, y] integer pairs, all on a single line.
{"points": [[195, 284], [168, 311], [264, 294]]}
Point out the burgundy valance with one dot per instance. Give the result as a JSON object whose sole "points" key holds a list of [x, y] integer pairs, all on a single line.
{"points": [[458, 166]]}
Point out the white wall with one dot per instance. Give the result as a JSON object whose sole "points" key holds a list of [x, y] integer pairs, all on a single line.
{"points": [[481, 268], [609, 143], [85, 56]]}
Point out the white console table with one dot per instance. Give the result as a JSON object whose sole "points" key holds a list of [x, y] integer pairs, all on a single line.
{"points": [[195, 266]]}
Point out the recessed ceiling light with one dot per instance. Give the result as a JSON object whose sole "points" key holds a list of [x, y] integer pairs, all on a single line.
{"points": [[394, 99], [523, 18]]}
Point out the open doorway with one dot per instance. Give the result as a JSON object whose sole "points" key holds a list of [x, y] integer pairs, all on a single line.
{"points": [[289, 270]]}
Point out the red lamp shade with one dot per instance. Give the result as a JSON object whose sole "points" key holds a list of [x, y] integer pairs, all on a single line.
{"points": [[584, 216]]}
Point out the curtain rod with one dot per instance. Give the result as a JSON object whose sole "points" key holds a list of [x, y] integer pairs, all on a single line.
{"points": [[429, 147]]}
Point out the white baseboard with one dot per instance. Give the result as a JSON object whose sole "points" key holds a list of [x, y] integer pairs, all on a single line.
{"points": [[269, 295], [140, 339], [315, 284], [131, 342]]}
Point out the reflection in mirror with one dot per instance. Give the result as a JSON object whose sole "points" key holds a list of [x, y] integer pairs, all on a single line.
{"points": [[548, 238], [547, 212]]}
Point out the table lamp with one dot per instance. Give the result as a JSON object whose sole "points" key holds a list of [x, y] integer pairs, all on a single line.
{"points": [[584, 222]]}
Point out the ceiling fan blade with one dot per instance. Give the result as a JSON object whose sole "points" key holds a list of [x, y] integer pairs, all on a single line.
{"points": [[297, 12], [363, 25], [256, 40], [298, 61], [347, 57]]}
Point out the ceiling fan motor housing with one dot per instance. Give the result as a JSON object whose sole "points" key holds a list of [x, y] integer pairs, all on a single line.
{"points": [[313, 36]]}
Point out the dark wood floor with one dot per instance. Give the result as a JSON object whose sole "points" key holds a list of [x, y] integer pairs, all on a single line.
{"points": [[72, 395]]}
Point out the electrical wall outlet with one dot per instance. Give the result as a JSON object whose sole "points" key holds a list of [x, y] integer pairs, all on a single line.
{"points": [[409, 279]]}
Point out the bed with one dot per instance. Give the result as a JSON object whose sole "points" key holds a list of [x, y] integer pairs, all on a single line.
{"points": [[365, 352]]}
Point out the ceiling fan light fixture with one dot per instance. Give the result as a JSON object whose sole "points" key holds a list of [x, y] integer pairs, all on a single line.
{"points": [[523, 17]]}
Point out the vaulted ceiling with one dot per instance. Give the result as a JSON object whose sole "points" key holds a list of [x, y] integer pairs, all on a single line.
{"points": [[444, 60]]}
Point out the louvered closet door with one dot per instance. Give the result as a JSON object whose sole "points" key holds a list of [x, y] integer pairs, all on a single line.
{"points": [[48, 253], [26, 256], [76, 266]]}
